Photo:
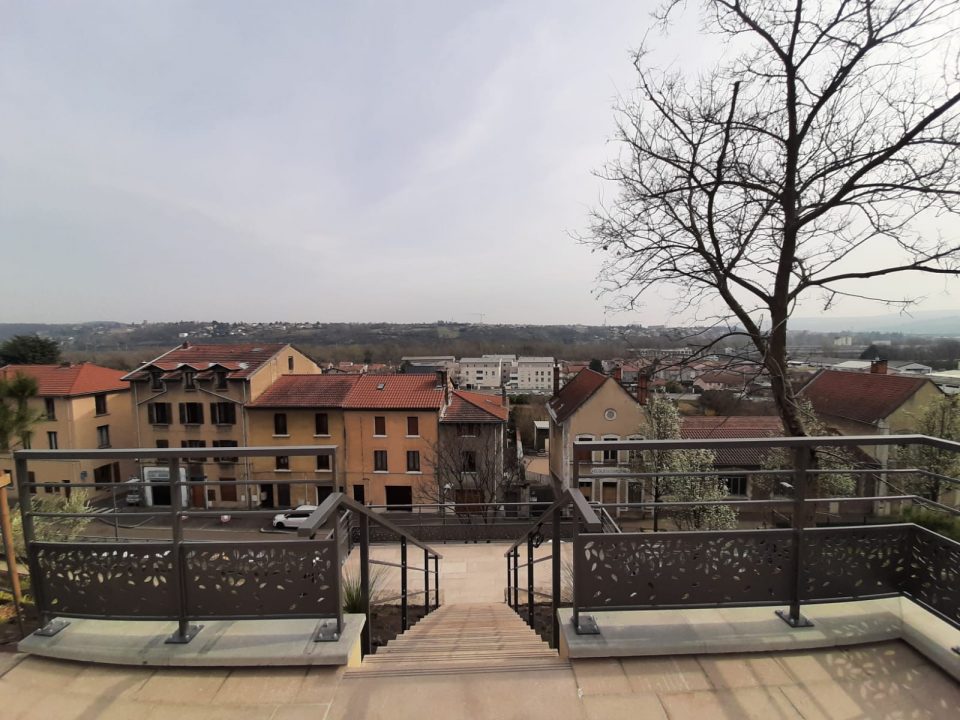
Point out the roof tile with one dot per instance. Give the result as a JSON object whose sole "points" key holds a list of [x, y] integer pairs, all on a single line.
{"points": [[69, 380], [861, 397]]}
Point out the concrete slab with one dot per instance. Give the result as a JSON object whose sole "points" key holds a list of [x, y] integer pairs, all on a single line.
{"points": [[238, 643]]}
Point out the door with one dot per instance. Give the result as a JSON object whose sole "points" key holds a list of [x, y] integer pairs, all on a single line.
{"points": [[359, 492], [283, 494], [586, 488], [323, 492], [196, 495], [609, 493], [266, 495], [400, 495]]}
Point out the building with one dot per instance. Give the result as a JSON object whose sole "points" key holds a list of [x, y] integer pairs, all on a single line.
{"points": [[593, 406], [906, 367], [470, 458], [488, 372], [533, 374], [82, 406], [194, 396], [300, 410]]}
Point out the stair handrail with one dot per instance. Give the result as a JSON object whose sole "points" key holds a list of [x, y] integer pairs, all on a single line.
{"points": [[581, 507]]}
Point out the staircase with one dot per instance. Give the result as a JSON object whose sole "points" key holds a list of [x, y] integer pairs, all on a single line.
{"points": [[487, 637]]}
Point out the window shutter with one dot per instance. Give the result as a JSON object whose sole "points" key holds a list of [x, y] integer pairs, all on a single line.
{"points": [[183, 413]]}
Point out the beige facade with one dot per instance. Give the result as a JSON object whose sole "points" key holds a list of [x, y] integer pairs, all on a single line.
{"points": [[181, 400], [609, 413]]}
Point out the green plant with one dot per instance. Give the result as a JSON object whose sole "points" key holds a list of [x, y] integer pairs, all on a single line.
{"points": [[353, 593], [45, 528], [933, 520]]}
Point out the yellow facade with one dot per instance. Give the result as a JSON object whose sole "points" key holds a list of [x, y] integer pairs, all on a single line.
{"points": [[76, 424]]}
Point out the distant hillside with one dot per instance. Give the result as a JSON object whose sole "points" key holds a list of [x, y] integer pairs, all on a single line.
{"points": [[931, 322]]}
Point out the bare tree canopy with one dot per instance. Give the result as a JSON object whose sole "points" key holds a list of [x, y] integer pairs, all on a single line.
{"points": [[819, 157]]}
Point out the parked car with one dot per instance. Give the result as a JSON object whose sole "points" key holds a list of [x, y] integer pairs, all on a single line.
{"points": [[293, 518]]}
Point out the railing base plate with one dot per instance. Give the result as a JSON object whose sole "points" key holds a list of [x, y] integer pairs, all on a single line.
{"points": [[587, 626], [52, 628], [327, 632], [801, 621], [182, 639]]}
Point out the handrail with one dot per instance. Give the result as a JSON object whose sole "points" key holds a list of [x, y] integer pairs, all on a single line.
{"points": [[333, 501], [581, 506], [767, 442]]}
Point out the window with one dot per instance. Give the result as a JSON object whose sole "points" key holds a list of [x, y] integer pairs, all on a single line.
{"points": [[279, 423], [380, 425], [610, 414], [736, 484], [50, 408], [290, 363], [321, 424], [323, 463], [194, 444], [52, 440], [413, 461], [226, 459], [100, 404], [223, 413], [220, 379], [283, 462], [159, 413], [413, 426], [191, 413], [103, 436], [610, 456], [380, 461], [189, 380], [155, 382], [163, 443], [468, 429], [468, 461]]}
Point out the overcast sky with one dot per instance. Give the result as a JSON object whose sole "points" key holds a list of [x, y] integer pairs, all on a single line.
{"points": [[364, 161]]}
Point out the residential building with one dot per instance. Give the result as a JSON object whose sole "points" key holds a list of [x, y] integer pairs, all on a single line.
{"points": [[82, 406], [299, 410], [193, 396], [470, 457], [593, 406], [534, 374], [487, 372]]}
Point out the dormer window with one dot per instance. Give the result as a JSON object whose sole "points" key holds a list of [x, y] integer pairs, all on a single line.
{"points": [[155, 382], [220, 378], [189, 380]]}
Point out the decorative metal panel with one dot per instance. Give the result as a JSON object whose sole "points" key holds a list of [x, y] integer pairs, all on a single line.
{"points": [[854, 562], [108, 580], [646, 570], [457, 532], [934, 578], [280, 579]]}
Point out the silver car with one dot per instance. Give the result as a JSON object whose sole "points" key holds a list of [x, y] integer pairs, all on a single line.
{"points": [[293, 518]]}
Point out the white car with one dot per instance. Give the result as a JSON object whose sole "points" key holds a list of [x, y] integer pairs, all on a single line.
{"points": [[293, 518]]}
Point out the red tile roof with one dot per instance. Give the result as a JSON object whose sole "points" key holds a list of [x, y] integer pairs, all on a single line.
{"points": [[575, 393], [399, 392], [739, 426], [319, 391], [240, 360], [69, 380], [471, 407], [861, 397]]}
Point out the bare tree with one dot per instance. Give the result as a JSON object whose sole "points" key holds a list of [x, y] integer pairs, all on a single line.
{"points": [[813, 160]]}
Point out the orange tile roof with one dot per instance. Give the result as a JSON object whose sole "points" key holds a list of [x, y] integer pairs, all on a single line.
{"points": [[309, 391], [69, 380], [733, 426], [862, 397], [399, 392], [471, 407], [240, 360], [576, 392]]}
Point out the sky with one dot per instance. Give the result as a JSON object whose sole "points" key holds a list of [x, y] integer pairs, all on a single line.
{"points": [[314, 161]]}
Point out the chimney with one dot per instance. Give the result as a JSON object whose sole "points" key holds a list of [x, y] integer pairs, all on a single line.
{"points": [[185, 344], [556, 379], [878, 367], [643, 388], [442, 382]]}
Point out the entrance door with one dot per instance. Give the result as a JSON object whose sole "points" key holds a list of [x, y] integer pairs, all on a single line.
{"points": [[283, 494], [323, 491], [266, 495], [196, 495], [609, 493], [586, 488], [359, 493], [400, 495]]}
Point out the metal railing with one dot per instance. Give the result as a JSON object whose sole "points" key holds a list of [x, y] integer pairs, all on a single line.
{"points": [[349, 516], [613, 570], [189, 580]]}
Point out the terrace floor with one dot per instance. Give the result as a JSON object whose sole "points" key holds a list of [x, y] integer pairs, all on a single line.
{"points": [[888, 681]]}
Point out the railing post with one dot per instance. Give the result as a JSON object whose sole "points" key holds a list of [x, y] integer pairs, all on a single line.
{"points": [[530, 580], [556, 582], [793, 618], [365, 581], [436, 582], [516, 580], [576, 611], [403, 583], [185, 631], [426, 583]]}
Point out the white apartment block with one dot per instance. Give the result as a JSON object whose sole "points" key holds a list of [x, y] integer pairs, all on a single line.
{"points": [[534, 373], [484, 372]]}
